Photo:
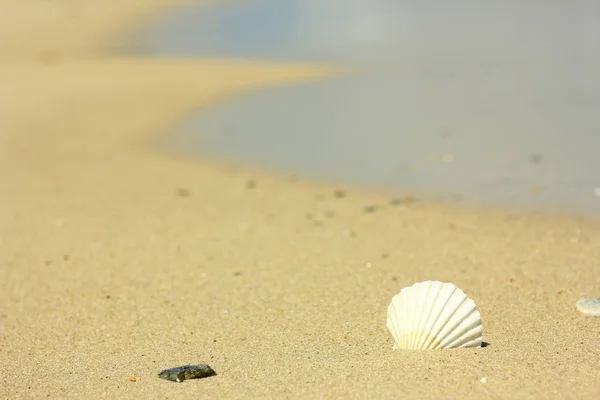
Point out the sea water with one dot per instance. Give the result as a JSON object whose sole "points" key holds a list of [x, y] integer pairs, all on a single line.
{"points": [[487, 102]]}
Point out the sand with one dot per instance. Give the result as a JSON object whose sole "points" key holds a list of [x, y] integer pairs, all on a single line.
{"points": [[118, 259]]}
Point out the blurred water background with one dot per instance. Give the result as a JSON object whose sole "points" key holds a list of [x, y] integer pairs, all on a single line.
{"points": [[492, 103]]}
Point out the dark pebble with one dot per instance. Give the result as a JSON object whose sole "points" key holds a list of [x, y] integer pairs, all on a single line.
{"points": [[180, 374]]}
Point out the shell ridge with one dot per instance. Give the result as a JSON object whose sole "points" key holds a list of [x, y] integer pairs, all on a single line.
{"points": [[421, 334], [422, 320], [468, 327], [412, 310], [433, 315], [456, 320], [476, 342], [469, 320], [459, 321], [402, 320], [413, 306], [399, 316], [442, 322], [469, 338], [420, 304], [393, 316], [428, 338]]}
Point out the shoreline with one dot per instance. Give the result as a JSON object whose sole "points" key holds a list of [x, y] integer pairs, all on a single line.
{"points": [[120, 259], [490, 148]]}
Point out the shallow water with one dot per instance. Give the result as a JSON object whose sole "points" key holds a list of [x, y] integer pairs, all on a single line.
{"points": [[493, 104]]}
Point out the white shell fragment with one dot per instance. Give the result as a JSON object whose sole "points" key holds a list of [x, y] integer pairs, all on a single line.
{"points": [[434, 315], [589, 307]]}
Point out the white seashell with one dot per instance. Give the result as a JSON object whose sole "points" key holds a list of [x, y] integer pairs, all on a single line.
{"points": [[434, 315], [589, 307]]}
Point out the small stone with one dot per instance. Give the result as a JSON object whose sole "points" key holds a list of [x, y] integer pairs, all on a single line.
{"points": [[132, 379], [536, 158], [180, 374], [370, 209], [483, 380], [589, 307]]}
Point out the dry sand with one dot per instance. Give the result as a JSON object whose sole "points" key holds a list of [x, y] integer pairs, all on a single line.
{"points": [[118, 260]]}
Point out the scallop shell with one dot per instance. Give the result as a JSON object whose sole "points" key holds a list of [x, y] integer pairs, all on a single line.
{"points": [[434, 315]]}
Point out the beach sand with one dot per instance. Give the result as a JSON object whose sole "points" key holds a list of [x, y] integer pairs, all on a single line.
{"points": [[118, 259]]}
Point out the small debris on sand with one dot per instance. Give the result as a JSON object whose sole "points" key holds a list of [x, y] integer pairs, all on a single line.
{"points": [[182, 192], [339, 194], [180, 374], [370, 209], [589, 307], [536, 158], [132, 379]]}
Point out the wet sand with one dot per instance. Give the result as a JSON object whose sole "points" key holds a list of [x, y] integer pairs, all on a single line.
{"points": [[119, 259]]}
